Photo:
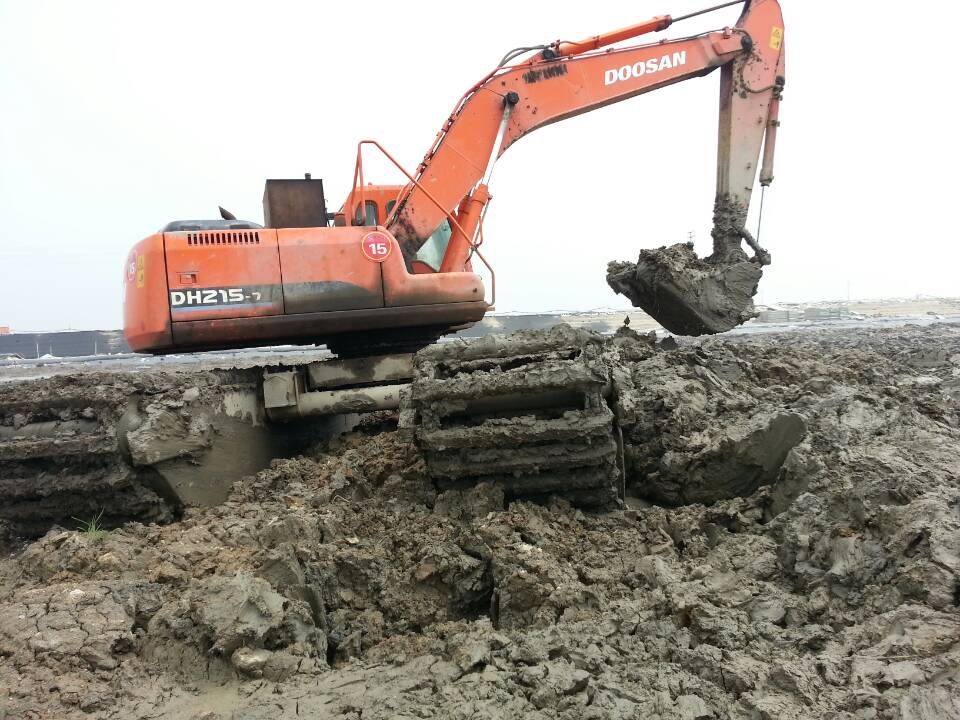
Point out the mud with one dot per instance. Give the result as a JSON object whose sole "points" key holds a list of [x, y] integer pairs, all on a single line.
{"points": [[694, 429], [789, 548], [569, 412], [687, 295]]}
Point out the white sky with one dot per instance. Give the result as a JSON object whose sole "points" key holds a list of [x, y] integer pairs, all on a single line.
{"points": [[116, 117]]}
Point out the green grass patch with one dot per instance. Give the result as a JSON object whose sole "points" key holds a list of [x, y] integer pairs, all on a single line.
{"points": [[93, 527]]}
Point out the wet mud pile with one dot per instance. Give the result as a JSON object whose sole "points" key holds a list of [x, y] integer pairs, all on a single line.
{"points": [[789, 548]]}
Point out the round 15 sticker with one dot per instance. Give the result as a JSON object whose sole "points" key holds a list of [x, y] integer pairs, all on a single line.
{"points": [[376, 246]]}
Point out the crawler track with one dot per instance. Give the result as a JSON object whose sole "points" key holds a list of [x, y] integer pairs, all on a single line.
{"points": [[120, 446], [61, 456], [527, 412]]}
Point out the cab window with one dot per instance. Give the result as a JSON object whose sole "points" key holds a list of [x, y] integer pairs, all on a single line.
{"points": [[432, 251], [371, 218]]}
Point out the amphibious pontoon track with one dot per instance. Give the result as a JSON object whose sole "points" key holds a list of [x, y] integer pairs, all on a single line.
{"points": [[118, 446], [527, 412], [61, 455]]}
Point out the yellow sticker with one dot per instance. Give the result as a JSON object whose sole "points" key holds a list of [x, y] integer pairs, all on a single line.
{"points": [[141, 270], [776, 38]]}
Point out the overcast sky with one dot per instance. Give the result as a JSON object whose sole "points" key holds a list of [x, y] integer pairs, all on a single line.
{"points": [[117, 117]]}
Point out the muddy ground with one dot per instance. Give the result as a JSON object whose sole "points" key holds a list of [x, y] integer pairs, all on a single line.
{"points": [[340, 584]]}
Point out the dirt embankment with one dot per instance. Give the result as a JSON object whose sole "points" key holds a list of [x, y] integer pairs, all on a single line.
{"points": [[791, 549]]}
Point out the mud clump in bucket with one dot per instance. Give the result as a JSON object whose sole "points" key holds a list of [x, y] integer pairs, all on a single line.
{"points": [[685, 294]]}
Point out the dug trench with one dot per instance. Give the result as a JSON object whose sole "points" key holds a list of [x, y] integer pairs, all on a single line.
{"points": [[789, 548]]}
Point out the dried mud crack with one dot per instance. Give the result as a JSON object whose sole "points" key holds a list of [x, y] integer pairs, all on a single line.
{"points": [[790, 548]]}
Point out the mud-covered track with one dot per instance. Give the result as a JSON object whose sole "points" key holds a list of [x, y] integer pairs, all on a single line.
{"points": [[62, 460], [120, 446], [528, 412]]}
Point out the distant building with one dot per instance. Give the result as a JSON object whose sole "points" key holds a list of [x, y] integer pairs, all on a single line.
{"points": [[63, 344], [4, 329], [780, 315], [834, 312]]}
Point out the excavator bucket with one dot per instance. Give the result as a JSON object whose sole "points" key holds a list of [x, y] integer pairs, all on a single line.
{"points": [[685, 294]]}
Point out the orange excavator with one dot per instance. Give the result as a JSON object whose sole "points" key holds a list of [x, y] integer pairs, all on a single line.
{"points": [[537, 413], [394, 269]]}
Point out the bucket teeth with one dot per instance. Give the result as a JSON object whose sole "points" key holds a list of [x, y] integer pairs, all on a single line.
{"points": [[527, 412]]}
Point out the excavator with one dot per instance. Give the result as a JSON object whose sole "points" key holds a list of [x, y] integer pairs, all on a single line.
{"points": [[382, 279], [395, 271]]}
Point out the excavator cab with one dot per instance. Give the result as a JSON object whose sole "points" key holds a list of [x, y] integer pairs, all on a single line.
{"points": [[378, 202], [430, 256]]}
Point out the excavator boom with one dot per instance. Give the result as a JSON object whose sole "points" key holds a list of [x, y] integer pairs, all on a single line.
{"points": [[566, 79]]}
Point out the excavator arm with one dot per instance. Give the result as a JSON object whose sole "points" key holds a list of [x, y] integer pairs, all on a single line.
{"points": [[565, 79]]}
